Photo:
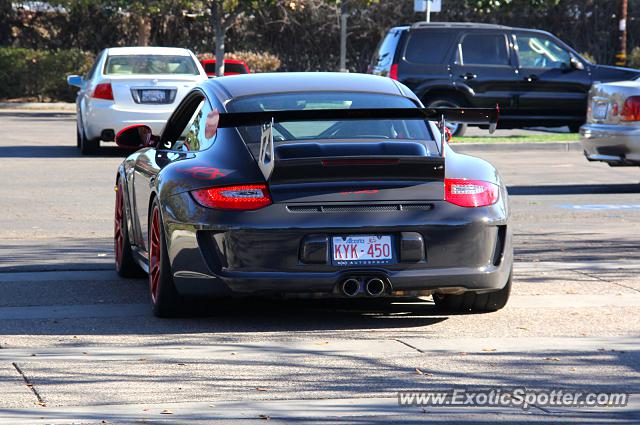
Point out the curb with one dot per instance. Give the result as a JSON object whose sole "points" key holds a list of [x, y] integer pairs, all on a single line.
{"points": [[517, 147], [39, 106]]}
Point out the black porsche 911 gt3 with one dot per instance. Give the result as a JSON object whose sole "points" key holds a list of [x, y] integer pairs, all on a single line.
{"points": [[311, 183]]}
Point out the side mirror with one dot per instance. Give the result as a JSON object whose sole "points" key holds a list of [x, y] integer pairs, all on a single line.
{"points": [[135, 137], [75, 80], [576, 64]]}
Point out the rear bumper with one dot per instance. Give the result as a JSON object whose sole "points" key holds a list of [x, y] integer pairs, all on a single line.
{"points": [[261, 252], [613, 144], [106, 115]]}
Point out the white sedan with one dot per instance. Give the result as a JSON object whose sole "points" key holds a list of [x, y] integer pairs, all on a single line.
{"points": [[129, 85], [612, 131]]}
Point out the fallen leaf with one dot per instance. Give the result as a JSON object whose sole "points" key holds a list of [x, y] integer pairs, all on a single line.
{"points": [[261, 389], [166, 412], [522, 328], [182, 364], [489, 349], [142, 360], [572, 369], [552, 359]]}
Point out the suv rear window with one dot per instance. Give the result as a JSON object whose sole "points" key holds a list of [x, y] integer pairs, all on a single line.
{"points": [[484, 49], [428, 47], [386, 50]]}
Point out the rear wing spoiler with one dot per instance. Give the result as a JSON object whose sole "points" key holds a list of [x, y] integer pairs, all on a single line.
{"points": [[266, 119], [481, 116]]}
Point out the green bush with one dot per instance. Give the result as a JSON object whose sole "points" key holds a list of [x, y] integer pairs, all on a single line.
{"points": [[257, 62], [40, 73], [633, 60]]}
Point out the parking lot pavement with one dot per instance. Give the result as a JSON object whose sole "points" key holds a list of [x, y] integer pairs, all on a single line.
{"points": [[79, 345]]}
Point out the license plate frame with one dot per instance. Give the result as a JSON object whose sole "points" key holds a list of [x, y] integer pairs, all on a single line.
{"points": [[600, 110], [363, 243], [153, 96]]}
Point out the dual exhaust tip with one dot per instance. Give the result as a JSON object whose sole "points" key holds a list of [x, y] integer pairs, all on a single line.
{"points": [[372, 286]]}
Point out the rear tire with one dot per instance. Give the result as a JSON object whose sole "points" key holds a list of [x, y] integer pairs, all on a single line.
{"points": [[87, 146], [126, 265], [449, 102], [575, 128], [470, 302], [165, 299]]}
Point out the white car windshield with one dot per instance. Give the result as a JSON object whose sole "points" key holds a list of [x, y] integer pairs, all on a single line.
{"points": [[150, 64]]}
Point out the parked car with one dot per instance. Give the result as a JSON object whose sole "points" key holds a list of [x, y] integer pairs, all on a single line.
{"points": [[612, 131], [328, 184], [231, 67], [130, 84], [536, 78]]}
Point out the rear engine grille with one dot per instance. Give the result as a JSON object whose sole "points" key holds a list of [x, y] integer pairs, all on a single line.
{"points": [[357, 208]]}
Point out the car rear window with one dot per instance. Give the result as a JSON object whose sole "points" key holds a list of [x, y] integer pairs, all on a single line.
{"points": [[484, 49], [236, 68], [428, 47], [150, 65], [326, 130]]}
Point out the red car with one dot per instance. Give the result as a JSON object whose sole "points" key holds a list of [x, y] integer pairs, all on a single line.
{"points": [[231, 67]]}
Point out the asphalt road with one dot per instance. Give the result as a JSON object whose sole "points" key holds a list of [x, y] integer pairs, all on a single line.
{"points": [[79, 345]]}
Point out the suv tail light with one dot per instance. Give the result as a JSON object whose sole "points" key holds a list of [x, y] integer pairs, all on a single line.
{"points": [[393, 72], [631, 109], [103, 91], [470, 193], [240, 197]]}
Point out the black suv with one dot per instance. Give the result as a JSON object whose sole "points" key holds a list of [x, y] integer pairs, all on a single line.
{"points": [[535, 78]]}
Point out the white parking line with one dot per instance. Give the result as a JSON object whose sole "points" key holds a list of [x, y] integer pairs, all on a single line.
{"points": [[74, 311], [331, 347]]}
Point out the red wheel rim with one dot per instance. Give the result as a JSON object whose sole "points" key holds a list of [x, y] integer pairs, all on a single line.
{"points": [[154, 254], [118, 237]]}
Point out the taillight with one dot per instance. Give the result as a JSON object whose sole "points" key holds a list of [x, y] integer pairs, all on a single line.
{"points": [[103, 91], [393, 72], [470, 193], [631, 109], [241, 197]]}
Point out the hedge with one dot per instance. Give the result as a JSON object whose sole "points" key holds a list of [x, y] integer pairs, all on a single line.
{"points": [[39, 73]]}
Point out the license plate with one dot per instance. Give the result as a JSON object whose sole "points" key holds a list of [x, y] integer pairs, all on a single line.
{"points": [[153, 96], [600, 110], [362, 250]]}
